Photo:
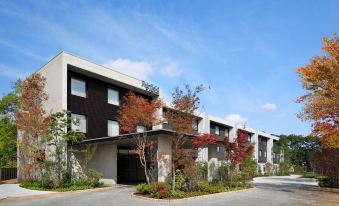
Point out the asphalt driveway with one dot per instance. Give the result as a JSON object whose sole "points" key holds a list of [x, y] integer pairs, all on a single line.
{"points": [[285, 190]]}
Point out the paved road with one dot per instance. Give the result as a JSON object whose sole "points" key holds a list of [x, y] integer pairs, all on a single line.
{"points": [[286, 190]]}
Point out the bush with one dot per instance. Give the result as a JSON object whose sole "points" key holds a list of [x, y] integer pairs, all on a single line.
{"points": [[161, 191], [145, 188], [248, 168], [66, 178], [203, 171], [223, 173], [210, 188], [328, 182], [93, 177]]}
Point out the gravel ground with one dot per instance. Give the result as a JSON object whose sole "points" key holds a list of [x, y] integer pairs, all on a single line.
{"points": [[284, 190]]}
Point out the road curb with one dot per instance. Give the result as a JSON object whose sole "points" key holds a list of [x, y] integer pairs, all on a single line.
{"points": [[134, 195]]}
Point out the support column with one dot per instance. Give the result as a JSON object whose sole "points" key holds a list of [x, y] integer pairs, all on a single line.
{"points": [[255, 140], [269, 150], [164, 155], [213, 163]]}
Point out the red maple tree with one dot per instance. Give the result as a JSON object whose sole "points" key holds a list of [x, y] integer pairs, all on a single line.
{"points": [[138, 111], [238, 150]]}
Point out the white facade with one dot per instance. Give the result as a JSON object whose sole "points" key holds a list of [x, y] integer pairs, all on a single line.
{"points": [[105, 158]]}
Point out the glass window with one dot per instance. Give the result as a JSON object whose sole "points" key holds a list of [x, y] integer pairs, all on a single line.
{"points": [[82, 126], [259, 153], [218, 149], [265, 154], [113, 97], [226, 132], [113, 128], [195, 125], [78, 87], [140, 128], [217, 131], [249, 138]]}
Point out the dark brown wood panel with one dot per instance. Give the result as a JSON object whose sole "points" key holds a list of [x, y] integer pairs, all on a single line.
{"points": [[95, 105]]}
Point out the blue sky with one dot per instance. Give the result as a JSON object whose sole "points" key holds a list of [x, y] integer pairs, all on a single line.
{"points": [[246, 51]]}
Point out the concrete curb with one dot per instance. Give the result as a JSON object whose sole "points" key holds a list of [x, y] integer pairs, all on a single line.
{"points": [[188, 198], [60, 194]]}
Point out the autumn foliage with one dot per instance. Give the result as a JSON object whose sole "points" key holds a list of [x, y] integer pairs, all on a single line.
{"points": [[238, 150], [321, 104], [138, 111], [32, 123]]}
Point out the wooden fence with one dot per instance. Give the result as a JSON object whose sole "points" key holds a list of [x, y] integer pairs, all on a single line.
{"points": [[8, 173]]}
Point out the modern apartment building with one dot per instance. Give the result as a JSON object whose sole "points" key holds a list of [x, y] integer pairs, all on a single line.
{"points": [[93, 94]]}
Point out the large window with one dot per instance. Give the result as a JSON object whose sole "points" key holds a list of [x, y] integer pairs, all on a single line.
{"points": [[113, 97], [113, 128], [78, 87], [82, 123], [217, 131]]}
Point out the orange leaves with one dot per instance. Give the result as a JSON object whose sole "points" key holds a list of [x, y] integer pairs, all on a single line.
{"points": [[321, 104], [138, 111]]}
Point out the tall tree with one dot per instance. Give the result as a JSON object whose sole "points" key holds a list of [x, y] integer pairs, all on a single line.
{"points": [[137, 111], [321, 104], [181, 116], [8, 128], [32, 124]]}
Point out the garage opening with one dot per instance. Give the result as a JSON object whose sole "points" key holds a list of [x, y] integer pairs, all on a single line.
{"points": [[129, 168]]}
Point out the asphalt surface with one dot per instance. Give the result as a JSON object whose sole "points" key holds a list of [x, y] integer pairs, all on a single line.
{"points": [[284, 190]]}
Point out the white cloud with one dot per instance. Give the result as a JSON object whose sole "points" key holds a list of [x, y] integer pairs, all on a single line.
{"points": [[138, 69], [269, 106], [236, 119], [171, 70]]}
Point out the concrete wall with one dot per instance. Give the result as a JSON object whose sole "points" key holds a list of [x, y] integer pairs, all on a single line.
{"points": [[104, 161], [164, 154]]}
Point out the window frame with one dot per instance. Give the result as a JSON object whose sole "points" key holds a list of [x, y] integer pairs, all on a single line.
{"points": [[86, 126], [108, 134], [216, 128], [80, 80], [108, 100]]}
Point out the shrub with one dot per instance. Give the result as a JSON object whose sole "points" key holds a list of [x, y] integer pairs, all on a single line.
{"points": [[328, 182], [66, 178], [93, 177], [203, 171], [145, 188], [248, 168], [210, 188], [223, 173], [161, 191]]}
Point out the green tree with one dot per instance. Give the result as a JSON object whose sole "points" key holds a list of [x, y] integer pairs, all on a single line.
{"points": [[298, 150], [8, 129], [59, 138]]}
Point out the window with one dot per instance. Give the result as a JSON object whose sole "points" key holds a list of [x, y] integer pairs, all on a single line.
{"points": [[218, 149], [265, 154], [82, 124], [217, 131], [113, 128], [113, 97], [273, 155], [195, 125], [226, 132], [78, 87], [140, 128], [249, 138], [260, 153]]}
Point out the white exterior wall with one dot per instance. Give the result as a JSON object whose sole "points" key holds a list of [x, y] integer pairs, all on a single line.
{"points": [[213, 162], [164, 155], [104, 161]]}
